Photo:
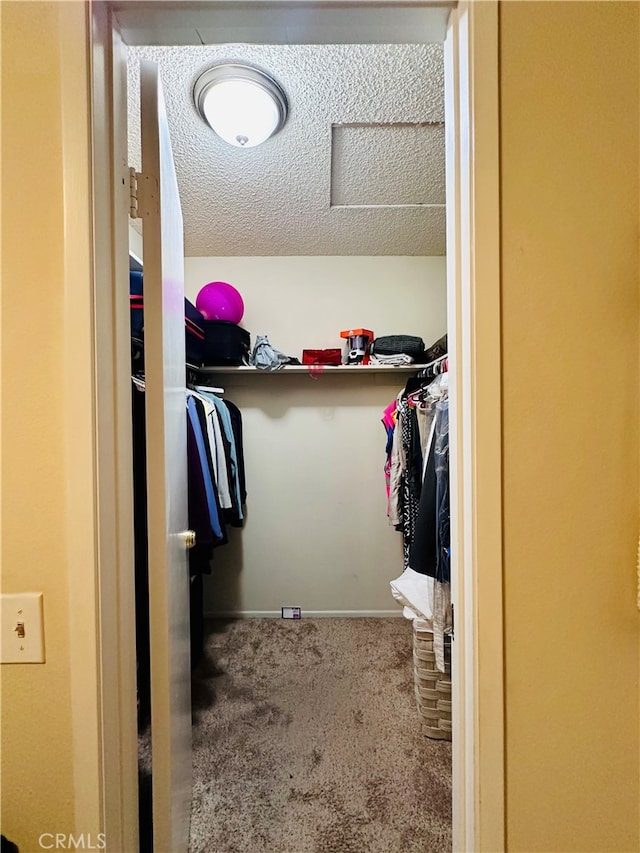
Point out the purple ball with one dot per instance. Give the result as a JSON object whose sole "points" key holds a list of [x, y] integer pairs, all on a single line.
{"points": [[219, 300]]}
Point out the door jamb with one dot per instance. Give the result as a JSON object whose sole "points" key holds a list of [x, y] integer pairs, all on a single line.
{"points": [[473, 292], [473, 273], [112, 347]]}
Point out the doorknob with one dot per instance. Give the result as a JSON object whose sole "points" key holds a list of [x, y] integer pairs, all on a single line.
{"points": [[189, 537]]}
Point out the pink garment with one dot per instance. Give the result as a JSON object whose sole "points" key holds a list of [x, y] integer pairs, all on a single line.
{"points": [[389, 417]]}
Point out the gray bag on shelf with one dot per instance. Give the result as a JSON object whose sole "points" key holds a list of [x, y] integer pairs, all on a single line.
{"points": [[399, 344], [265, 357]]}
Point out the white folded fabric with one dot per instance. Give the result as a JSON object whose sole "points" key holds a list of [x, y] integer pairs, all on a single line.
{"points": [[394, 360], [415, 591]]}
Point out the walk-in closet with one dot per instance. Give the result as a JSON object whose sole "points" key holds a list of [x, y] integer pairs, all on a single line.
{"points": [[320, 614]]}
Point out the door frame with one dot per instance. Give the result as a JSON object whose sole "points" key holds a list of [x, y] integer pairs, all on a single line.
{"points": [[473, 284], [475, 393]]}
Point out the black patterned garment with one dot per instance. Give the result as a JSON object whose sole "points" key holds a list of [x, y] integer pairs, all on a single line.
{"points": [[411, 476], [443, 531]]}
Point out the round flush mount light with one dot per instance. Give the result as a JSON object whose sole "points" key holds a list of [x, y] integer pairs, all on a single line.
{"points": [[242, 105]]}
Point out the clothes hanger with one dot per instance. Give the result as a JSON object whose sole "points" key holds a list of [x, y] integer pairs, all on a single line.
{"points": [[417, 398], [435, 367], [419, 395], [209, 388]]}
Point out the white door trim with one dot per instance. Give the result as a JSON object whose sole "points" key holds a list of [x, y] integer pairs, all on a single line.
{"points": [[473, 271], [472, 113], [112, 346]]}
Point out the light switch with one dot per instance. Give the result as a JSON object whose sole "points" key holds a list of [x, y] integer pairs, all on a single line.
{"points": [[22, 630]]}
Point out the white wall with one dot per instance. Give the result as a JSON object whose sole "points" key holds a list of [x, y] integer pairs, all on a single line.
{"points": [[316, 533]]}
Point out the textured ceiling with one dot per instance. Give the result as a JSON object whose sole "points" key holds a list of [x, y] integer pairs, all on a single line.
{"points": [[358, 168], [388, 164]]}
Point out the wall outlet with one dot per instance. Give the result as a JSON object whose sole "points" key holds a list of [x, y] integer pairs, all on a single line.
{"points": [[22, 629], [292, 613]]}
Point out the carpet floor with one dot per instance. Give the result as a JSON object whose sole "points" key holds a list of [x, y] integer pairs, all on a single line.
{"points": [[306, 740]]}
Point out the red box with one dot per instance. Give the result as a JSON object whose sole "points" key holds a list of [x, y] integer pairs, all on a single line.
{"points": [[322, 356], [352, 333]]}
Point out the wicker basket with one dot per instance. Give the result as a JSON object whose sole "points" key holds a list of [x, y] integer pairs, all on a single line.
{"points": [[432, 687]]}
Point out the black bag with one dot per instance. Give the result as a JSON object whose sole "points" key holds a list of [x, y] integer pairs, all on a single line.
{"points": [[193, 321], [436, 350], [225, 343], [399, 345]]}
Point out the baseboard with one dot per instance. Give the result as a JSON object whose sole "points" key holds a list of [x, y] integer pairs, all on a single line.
{"points": [[315, 614]]}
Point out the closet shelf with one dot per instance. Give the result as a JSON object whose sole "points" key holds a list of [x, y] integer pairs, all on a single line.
{"points": [[322, 370]]}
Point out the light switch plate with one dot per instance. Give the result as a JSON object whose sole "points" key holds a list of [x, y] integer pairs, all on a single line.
{"points": [[22, 630]]}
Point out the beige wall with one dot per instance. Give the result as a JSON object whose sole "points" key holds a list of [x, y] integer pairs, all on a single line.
{"points": [[135, 242], [50, 773], [306, 301], [569, 161], [316, 533]]}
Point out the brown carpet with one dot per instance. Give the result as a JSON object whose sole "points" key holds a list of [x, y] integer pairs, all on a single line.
{"points": [[306, 740]]}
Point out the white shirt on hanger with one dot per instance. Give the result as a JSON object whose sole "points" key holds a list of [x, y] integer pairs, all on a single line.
{"points": [[214, 435]]}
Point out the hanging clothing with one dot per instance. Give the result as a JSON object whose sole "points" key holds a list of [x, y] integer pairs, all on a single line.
{"points": [[228, 440], [419, 503], [218, 453], [197, 417], [236, 425], [423, 554], [405, 463], [411, 463], [443, 530], [199, 521], [394, 465], [216, 494], [389, 417]]}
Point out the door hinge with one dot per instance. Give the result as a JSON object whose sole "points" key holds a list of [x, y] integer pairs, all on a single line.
{"points": [[143, 194], [133, 193]]}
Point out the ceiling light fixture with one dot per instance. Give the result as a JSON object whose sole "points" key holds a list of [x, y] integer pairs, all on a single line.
{"points": [[242, 105]]}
